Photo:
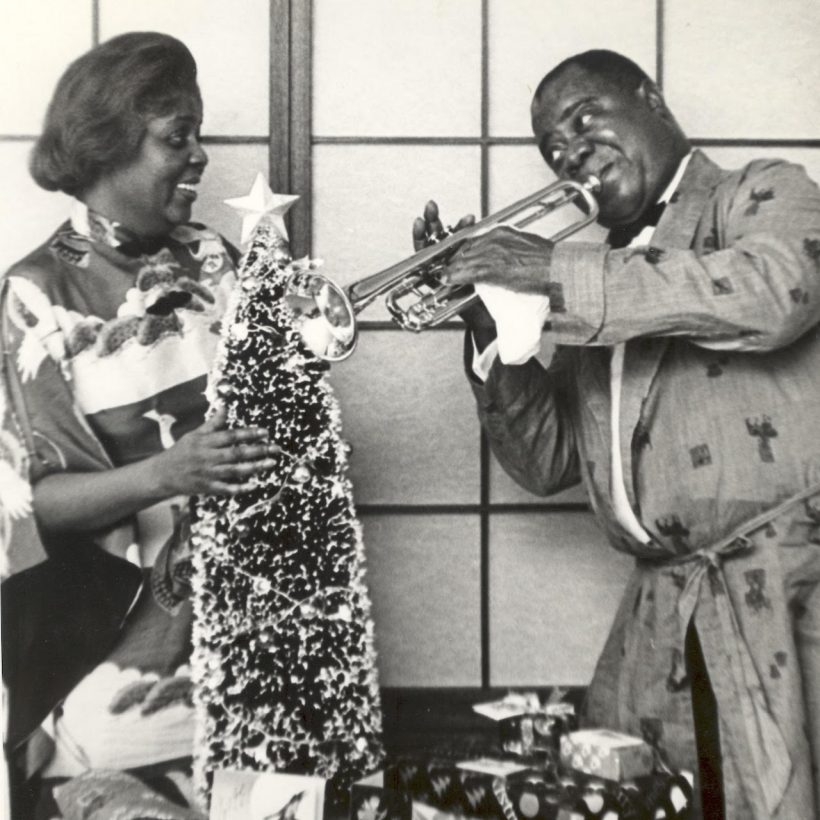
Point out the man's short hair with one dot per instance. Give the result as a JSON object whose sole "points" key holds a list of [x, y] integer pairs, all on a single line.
{"points": [[616, 68], [96, 119]]}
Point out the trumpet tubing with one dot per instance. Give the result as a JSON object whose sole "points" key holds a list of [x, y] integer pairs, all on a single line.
{"points": [[419, 275], [416, 298]]}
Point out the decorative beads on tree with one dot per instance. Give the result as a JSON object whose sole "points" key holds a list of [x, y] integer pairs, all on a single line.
{"points": [[284, 664]]}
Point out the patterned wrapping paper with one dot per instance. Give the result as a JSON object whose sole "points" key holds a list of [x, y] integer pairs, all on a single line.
{"points": [[510, 790], [373, 799], [413, 787], [607, 754]]}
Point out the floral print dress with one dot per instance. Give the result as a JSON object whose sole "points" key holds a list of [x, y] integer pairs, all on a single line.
{"points": [[111, 338]]}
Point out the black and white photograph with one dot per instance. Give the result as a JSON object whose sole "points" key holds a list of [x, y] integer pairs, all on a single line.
{"points": [[410, 410]]}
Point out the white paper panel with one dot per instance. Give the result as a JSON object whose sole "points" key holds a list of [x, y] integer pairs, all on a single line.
{"points": [[744, 68], [529, 37], [396, 68], [366, 197], [410, 416], [230, 43], [554, 587], [28, 214], [38, 39], [423, 575]]}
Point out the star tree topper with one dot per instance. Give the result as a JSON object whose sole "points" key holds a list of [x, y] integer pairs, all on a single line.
{"points": [[262, 204]]}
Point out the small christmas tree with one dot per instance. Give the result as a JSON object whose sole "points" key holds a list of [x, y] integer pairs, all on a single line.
{"points": [[283, 663]]}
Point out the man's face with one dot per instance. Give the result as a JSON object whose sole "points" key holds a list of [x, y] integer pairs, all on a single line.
{"points": [[585, 125]]}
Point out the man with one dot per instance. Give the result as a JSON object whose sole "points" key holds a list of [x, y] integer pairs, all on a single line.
{"points": [[684, 391]]}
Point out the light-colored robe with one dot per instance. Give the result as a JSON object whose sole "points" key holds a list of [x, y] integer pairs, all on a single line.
{"points": [[720, 424]]}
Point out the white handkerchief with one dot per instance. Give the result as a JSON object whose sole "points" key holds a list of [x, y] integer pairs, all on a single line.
{"points": [[519, 320]]}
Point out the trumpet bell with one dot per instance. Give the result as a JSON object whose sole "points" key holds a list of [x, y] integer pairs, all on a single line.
{"points": [[323, 315]]}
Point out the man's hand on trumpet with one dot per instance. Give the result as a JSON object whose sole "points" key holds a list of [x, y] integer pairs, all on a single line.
{"points": [[429, 229], [505, 257]]}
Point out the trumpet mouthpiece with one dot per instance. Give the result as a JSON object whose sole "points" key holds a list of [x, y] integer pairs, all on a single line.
{"points": [[592, 184]]}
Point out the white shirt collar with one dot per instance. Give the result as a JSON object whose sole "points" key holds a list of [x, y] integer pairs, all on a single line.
{"points": [[670, 188], [79, 217]]}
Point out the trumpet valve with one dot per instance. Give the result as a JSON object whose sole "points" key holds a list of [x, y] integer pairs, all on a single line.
{"points": [[414, 302]]}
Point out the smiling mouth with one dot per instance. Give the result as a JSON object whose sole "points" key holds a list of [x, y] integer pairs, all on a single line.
{"points": [[188, 190]]}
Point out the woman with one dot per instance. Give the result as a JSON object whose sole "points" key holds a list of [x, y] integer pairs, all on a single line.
{"points": [[111, 326]]}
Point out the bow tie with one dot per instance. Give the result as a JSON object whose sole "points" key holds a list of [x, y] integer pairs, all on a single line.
{"points": [[621, 236]]}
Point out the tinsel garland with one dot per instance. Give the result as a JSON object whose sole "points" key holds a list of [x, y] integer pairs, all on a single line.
{"points": [[283, 663]]}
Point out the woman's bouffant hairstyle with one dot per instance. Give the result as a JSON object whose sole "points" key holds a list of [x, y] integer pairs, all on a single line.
{"points": [[95, 121]]}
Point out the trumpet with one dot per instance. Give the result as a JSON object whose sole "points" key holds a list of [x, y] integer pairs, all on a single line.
{"points": [[325, 313]]}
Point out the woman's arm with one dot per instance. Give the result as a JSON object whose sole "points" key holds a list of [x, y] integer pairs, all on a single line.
{"points": [[210, 459]]}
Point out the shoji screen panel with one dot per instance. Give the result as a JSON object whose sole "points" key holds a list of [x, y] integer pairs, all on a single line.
{"points": [[412, 101]]}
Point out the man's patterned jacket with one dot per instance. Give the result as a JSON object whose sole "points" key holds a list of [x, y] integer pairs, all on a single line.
{"points": [[720, 443]]}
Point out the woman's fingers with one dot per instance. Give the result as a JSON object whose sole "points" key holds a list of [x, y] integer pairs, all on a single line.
{"points": [[242, 469], [239, 435], [236, 477], [239, 452], [226, 488], [221, 436]]}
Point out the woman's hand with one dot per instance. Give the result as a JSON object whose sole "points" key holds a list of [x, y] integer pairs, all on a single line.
{"points": [[210, 459], [215, 459]]}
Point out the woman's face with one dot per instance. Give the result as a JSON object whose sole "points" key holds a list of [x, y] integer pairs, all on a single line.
{"points": [[154, 192]]}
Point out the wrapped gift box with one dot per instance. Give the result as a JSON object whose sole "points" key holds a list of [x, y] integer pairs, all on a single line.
{"points": [[547, 798], [374, 798], [414, 787], [485, 784], [526, 725], [505, 790], [576, 795], [536, 732], [607, 754]]}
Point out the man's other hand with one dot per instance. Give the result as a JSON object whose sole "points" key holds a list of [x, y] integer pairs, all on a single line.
{"points": [[429, 228]]}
